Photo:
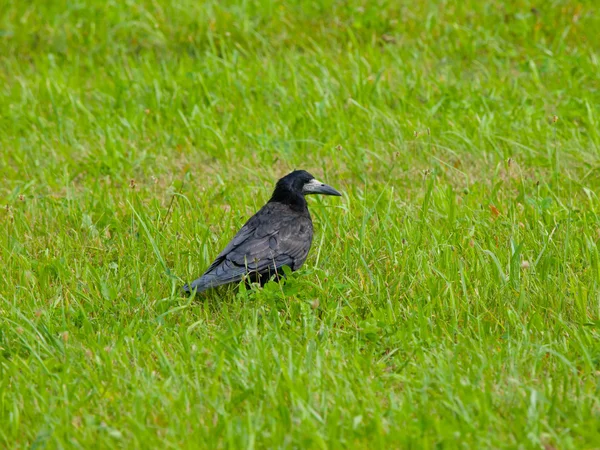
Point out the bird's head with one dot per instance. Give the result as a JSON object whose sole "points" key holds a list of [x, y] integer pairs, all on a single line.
{"points": [[298, 184]]}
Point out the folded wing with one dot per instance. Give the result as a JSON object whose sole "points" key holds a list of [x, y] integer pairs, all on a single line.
{"points": [[271, 239]]}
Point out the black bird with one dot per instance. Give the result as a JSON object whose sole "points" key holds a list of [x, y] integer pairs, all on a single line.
{"points": [[279, 234]]}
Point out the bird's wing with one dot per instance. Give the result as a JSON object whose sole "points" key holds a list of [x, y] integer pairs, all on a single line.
{"points": [[269, 240]]}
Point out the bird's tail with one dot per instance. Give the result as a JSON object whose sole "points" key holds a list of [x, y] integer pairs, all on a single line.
{"points": [[203, 283]]}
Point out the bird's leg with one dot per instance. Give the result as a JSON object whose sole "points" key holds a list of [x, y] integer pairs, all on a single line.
{"points": [[256, 277], [264, 278]]}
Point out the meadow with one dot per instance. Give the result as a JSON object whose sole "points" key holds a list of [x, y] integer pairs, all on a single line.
{"points": [[451, 298]]}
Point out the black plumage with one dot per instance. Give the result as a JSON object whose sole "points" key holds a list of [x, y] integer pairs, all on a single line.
{"points": [[279, 234]]}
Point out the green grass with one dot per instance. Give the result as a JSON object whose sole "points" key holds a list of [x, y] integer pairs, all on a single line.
{"points": [[451, 297]]}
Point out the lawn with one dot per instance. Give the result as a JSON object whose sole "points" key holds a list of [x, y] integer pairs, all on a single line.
{"points": [[451, 298]]}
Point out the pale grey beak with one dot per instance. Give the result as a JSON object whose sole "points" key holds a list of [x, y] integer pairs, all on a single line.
{"points": [[316, 187]]}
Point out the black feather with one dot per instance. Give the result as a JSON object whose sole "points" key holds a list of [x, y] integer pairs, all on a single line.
{"points": [[279, 234]]}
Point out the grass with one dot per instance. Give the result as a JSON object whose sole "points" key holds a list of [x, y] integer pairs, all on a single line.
{"points": [[451, 297]]}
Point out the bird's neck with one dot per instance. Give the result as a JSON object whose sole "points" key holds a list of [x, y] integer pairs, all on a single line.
{"points": [[297, 202]]}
